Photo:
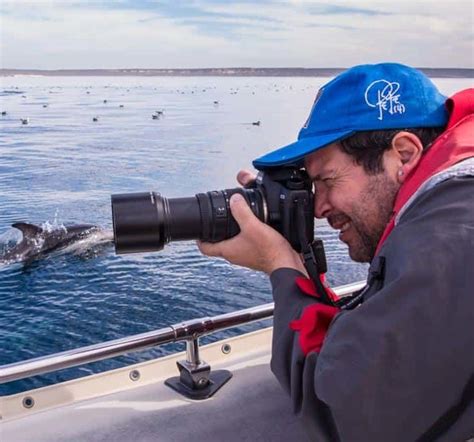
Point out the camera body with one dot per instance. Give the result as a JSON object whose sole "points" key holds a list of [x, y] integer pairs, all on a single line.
{"points": [[280, 197], [290, 203]]}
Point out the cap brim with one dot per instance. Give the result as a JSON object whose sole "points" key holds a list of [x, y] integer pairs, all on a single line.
{"points": [[294, 153]]}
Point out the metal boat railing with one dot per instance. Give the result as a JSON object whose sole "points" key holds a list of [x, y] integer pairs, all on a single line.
{"points": [[188, 331]]}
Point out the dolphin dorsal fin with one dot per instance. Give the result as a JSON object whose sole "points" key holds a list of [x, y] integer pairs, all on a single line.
{"points": [[28, 230]]}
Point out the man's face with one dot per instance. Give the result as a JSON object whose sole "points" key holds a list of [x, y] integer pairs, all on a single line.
{"points": [[354, 202]]}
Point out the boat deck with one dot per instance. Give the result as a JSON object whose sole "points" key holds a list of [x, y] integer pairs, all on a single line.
{"points": [[111, 407]]}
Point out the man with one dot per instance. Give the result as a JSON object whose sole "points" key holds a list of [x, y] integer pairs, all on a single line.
{"points": [[393, 169]]}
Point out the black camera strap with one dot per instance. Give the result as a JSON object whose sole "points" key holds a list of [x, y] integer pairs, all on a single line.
{"points": [[314, 258], [314, 262]]}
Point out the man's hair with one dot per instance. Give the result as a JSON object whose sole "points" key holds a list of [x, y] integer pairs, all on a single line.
{"points": [[367, 148]]}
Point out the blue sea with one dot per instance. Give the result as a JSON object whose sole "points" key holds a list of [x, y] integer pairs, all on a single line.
{"points": [[62, 167]]}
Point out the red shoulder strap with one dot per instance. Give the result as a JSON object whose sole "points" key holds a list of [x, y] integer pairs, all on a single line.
{"points": [[315, 319], [313, 326]]}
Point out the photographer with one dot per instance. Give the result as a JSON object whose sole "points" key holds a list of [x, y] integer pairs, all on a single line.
{"points": [[392, 164]]}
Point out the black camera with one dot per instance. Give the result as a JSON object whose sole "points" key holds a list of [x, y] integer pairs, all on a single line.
{"points": [[281, 198]]}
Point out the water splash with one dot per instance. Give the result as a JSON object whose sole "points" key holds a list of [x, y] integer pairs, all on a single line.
{"points": [[54, 225]]}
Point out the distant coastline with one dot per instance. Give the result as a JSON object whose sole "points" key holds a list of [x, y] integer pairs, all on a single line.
{"points": [[218, 72]]}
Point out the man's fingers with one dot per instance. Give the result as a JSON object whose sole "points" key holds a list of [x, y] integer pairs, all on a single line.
{"points": [[241, 210], [209, 249], [245, 177]]}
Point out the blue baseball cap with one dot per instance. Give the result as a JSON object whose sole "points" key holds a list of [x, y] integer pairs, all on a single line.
{"points": [[366, 97]]}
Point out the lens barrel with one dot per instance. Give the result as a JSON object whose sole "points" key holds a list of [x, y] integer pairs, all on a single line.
{"points": [[145, 222], [139, 222]]}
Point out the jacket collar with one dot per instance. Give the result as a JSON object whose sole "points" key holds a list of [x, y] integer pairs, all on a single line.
{"points": [[451, 147], [463, 168]]}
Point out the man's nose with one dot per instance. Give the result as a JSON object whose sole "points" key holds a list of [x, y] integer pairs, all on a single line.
{"points": [[322, 207]]}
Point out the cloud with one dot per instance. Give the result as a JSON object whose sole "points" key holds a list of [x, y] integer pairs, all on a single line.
{"points": [[206, 33]]}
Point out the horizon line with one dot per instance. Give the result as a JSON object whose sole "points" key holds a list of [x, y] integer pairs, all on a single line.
{"points": [[216, 71], [209, 68]]}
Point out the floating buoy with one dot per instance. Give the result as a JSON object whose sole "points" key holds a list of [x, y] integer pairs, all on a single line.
{"points": [[95, 119]]}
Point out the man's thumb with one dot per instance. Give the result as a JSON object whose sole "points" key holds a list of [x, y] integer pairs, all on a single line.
{"points": [[240, 209]]}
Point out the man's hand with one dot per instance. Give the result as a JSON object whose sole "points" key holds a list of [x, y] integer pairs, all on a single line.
{"points": [[257, 246]]}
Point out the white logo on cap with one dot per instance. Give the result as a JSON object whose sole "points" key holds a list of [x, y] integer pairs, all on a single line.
{"points": [[386, 98]]}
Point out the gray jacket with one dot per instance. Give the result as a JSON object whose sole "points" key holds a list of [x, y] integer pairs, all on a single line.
{"points": [[404, 359]]}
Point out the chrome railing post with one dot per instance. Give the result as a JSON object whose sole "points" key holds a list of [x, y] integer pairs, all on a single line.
{"points": [[192, 351], [196, 380]]}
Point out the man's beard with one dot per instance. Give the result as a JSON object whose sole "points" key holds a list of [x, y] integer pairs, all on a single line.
{"points": [[371, 215]]}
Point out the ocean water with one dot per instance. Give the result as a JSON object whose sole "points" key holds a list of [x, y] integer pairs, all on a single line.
{"points": [[62, 167]]}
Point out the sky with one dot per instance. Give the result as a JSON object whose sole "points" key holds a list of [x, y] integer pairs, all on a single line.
{"points": [[110, 34]]}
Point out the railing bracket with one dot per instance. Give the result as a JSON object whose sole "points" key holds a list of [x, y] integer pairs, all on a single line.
{"points": [[199, 390], [196, 380]]}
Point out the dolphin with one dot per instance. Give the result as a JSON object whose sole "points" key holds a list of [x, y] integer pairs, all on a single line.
{"points": [[37, 240]]}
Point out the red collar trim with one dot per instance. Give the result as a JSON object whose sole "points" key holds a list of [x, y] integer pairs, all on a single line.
{"points": [[460, 105]]}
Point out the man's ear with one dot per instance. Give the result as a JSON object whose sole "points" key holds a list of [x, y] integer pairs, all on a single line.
{"points": [[407, 149]]}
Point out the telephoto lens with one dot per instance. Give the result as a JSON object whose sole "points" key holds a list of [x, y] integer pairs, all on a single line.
{"points": [[282, 198], [145, 222]]}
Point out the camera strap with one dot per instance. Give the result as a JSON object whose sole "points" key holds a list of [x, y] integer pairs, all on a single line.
{"points": [[315, 264], [314, 257]]}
